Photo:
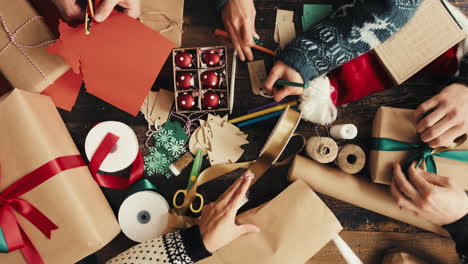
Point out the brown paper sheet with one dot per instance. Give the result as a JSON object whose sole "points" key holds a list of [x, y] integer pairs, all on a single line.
{"points": [[27, 68], [430, 33], [399, 124], [34, 134], [354, 190], [166, 17], [294, 226]]}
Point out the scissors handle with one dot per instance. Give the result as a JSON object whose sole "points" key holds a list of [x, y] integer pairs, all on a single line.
{"points": [[200, 207], [174, 199]]}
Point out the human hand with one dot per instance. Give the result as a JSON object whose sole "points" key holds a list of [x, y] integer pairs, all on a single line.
{"points": [[448, 121], [217, 222], [435, 198], [69, 10], [131, 8], [282, 71], [239, 19]]}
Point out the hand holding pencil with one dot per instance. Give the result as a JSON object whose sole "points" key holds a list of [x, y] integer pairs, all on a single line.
{"points": [[287, 77]]}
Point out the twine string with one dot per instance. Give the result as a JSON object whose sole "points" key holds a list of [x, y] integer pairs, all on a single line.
{"points": [[173, 23], [19, 46]]}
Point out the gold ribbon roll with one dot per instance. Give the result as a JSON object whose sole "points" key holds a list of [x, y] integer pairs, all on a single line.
{"points": [[270, 153], [322, 149], [355, 190], [351, 159]]}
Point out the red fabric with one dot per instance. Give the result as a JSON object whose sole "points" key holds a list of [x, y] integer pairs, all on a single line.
{"points": [[446, 65], [358, 78], [9, 201], [366, 75], [108, 181]]}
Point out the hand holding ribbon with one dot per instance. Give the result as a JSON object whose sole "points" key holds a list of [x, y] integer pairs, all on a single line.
{"points": [[424, 154], [12, 236]]}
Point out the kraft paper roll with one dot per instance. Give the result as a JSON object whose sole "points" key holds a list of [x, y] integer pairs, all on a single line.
{"points": [[143, 216], [322, 149], [345, 131], [124, 152], [351, 159], [354, 190]]}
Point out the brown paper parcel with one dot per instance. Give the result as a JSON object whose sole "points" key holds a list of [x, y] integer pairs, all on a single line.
{"points": [[24, 36], [354, 190], [32, 134], [294, 226], [165, 17], [399, 124]]}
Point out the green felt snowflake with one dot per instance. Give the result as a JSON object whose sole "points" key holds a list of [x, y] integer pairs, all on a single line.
{"points": [[176, 148], [157, 162], [169, 146], [164, 137]]}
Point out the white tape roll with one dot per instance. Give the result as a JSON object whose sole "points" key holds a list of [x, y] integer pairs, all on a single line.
{"points": [[346, 131], [143, 216], [124, 152]]}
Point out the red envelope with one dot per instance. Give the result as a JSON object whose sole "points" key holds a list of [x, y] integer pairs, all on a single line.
{"points": [[119, 60]]}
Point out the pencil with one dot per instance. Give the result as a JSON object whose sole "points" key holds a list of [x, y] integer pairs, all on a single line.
{"points": [[288, 83], [224, 34], [271, 104], [261, 118], [262, 112], [233, 81]]}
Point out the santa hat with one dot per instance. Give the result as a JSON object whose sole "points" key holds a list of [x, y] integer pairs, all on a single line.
{"points": [[365, 75]]}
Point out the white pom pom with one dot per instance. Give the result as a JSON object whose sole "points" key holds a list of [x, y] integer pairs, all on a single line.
{"points": [[316, 104]]}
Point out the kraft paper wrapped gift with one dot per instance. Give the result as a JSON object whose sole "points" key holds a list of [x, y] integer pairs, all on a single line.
{"points": [[165, 17], [399, 124], [294, 226], [24, 36], [354, 190], [34, 134]]}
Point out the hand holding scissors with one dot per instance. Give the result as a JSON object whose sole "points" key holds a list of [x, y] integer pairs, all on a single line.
{"points": [[193, 177]]}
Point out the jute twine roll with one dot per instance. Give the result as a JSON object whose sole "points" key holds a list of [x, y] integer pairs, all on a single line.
{"points": [[351, 158], [182, 163], [322, 149]]}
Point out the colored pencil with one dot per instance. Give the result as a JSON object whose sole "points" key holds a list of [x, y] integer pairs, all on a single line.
{"points": [[270, 104], [262, 112], [224, 34], [261, 118], [233, 81], [288, 83]]}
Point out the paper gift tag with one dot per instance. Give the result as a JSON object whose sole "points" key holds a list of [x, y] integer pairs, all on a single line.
{"points": [[282, 16], [258, 75], [287, 33]]}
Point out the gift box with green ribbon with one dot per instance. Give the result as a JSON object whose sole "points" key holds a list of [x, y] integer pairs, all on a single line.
{"points": [[394, 139]]}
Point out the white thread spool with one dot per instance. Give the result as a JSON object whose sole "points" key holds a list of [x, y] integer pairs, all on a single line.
{"points": [[345, 131], [125, 150], [143, 216], [322, 149]]}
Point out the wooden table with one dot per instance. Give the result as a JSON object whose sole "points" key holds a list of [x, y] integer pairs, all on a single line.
{"points": [[374, 232]]}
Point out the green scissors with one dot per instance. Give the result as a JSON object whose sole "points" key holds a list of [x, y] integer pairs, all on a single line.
{"points": [[194, 173]]}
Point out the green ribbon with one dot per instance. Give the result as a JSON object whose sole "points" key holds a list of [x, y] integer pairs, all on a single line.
{"points": [[3, 243], [142, 185], [424, 153]]}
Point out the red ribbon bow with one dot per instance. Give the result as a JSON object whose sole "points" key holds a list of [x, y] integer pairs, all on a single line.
{"points": [[109, 181], [14, 235]]}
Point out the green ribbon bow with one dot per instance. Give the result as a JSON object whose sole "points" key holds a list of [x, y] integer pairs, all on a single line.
{"points": [[424, 153]]}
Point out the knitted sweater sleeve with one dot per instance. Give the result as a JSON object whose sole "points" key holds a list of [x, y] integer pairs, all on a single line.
{"points": [[459, 232], [349, 32], [184, 247]]}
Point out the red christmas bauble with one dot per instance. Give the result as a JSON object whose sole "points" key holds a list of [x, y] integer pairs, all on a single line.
{"points": [[211, 58], [184, 80], [184, 60], [186, 101], [211, 99], [210, 79]]}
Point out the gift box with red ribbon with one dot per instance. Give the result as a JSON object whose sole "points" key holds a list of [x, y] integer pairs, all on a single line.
{"points": [[51, 209]]}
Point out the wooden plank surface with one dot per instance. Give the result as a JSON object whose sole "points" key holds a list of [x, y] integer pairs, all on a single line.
{"points": [[372, 233]]}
